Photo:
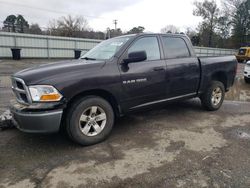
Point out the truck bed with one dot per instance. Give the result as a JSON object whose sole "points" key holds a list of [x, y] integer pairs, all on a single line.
{"points": [[222, 67]]}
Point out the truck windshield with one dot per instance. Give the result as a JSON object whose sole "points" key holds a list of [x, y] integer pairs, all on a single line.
{"points": [[242, 51], [106, 49]]}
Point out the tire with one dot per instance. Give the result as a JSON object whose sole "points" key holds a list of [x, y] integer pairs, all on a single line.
{"points": [[213, 98], [89, 120], [247, 80]]}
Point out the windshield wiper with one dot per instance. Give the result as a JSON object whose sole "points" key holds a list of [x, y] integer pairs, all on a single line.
{"points": [[88, 58]]}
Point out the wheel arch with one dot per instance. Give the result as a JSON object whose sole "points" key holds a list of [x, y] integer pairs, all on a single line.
{"points": [[99, 93], [221, 77]]}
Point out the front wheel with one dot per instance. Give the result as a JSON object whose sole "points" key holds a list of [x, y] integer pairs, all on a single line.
{"points": [[89, 120], [213, 97]]}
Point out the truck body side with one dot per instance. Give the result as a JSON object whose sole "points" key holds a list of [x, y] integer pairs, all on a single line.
{"points": [[126, 87]]}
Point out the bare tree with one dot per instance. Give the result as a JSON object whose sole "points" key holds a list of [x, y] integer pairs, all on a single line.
{"points": [[68, 26], [170, 29]]}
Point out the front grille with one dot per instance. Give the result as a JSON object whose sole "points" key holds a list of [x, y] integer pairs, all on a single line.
{"points": [[20, 90]]}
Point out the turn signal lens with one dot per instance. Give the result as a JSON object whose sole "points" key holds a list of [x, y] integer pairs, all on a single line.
{"points": [[50, 97]]}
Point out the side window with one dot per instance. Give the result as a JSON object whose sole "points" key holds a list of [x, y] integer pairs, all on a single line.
{"points": [[148, 44], [176, 47]]}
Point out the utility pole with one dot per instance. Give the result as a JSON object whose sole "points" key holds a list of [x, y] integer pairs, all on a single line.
{"points": [[115, 22], [108, 33]]}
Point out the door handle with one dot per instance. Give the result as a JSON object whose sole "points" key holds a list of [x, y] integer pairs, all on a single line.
{"points": [[158, 68]]}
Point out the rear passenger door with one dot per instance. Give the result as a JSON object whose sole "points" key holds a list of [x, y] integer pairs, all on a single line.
{"points": [[183, 71]]}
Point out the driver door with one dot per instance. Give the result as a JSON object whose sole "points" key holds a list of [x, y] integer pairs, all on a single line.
{"points": [[143, 82]]}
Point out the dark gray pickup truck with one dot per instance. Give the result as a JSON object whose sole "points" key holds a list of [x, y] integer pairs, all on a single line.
{"points": [[118, 76]]}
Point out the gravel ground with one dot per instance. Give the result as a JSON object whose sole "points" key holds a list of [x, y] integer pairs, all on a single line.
{"points": [[179, 145]]}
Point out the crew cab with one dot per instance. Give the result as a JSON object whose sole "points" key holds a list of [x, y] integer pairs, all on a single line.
{"points": [[118, 76]]}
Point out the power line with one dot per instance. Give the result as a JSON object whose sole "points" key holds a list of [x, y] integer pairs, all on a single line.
{"points": [[44, 9]]}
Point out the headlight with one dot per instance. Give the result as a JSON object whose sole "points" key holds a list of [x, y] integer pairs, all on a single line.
{"points": [[44, 93]]}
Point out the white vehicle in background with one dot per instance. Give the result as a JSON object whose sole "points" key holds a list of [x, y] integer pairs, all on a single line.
{"points": [[247, 72]]}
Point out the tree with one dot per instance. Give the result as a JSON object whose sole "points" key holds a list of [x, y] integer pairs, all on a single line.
{"points": [[73, 27], [35, 29], [195, 40], [193, 35], [170, 29], [135, 30], [52, 28], [241, 23], [69, 26], [209, 11], [16, 24], [92, 34], [238, 15], [224, 25], [9, 23], [115, 32], [21, 24]]}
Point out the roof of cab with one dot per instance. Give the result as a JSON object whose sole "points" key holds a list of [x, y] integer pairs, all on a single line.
{"points": [[169, 34], [145, 34]]}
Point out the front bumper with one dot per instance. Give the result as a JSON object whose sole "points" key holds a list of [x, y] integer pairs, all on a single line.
{"points": [[46, 121]]}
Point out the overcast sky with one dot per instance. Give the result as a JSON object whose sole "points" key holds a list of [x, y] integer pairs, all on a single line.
{"points": [[152, 14]]}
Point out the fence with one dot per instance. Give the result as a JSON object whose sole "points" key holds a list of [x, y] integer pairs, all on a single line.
{"points": [[43, 46], [205, 51]]}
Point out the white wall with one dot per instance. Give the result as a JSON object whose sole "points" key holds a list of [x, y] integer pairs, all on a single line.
{"points": [[205, 51], [44, 46]]}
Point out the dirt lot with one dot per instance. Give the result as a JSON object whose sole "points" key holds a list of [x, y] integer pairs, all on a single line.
{"points": [[179, 145]]}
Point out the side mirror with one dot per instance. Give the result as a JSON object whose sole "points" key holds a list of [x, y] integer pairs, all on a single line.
{"points": [[135, 57]]}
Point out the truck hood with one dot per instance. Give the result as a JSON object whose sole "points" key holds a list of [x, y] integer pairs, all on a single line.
{"points": [[44, 74]]}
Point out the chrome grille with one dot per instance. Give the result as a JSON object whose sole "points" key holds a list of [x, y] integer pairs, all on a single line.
{"points": [[20, 90]]}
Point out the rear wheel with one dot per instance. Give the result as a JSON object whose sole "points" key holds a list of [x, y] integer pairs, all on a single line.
{"points": [[213, 98], [89, 120], [247, 80]]}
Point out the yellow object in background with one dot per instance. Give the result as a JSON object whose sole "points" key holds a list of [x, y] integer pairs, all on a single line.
{"points": [[243, 54]]}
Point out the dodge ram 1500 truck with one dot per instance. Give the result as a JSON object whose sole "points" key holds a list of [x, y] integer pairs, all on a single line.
{"points": [[118, 76]]}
